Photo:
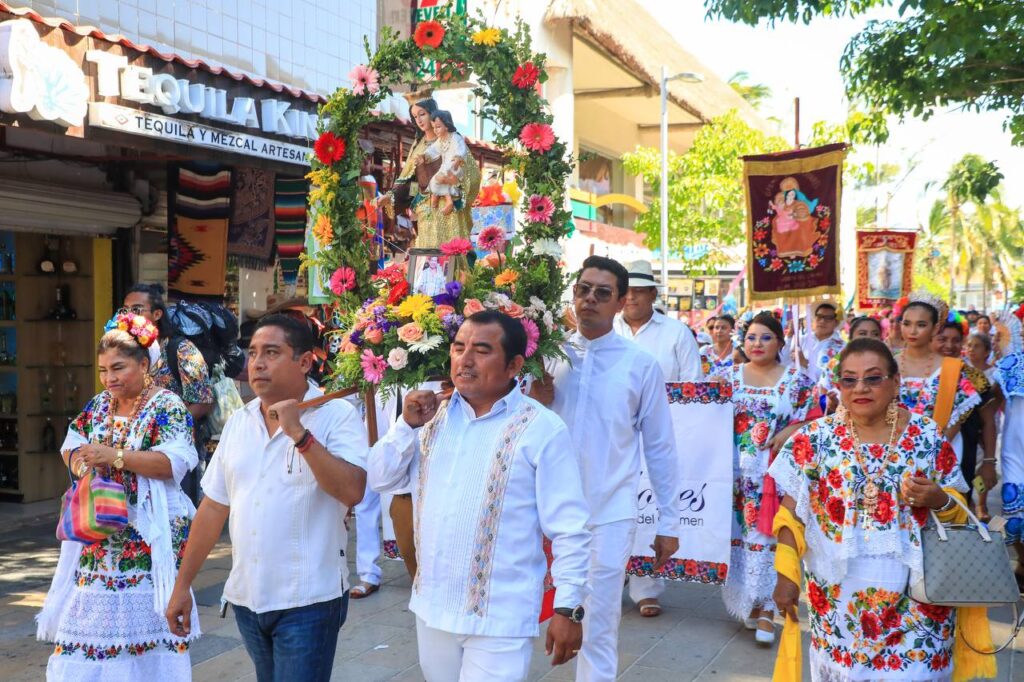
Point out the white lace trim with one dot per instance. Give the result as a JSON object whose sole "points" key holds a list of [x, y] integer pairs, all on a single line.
{"points": [[162, 666], [751, 581]]}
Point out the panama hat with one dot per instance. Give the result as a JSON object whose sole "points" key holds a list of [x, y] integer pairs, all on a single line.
{"points": [[641, 274]]}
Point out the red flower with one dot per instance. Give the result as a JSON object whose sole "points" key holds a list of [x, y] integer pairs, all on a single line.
{"points": [[895, 662], [846, 444], [537, 137], [907, 444], [920, 515], [835, 479], [818, 599], [690, 567], [894, 639], [939, 614], [329, 148], [741, 423], [946, 460], [891, 618], [428, 34], [847, 660], [913, 431], [398, 292], [689, 390], [876, 450], [760, 434], [526, 75], [870, 625], [885, 511], [776, 264], [803, 453], [878, 663], [840, 431], [836, 510]]}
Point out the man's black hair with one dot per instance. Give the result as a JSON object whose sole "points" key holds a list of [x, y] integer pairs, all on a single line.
{"points": [[155, 294], [608, 265], [296, 333], [513, 337]]}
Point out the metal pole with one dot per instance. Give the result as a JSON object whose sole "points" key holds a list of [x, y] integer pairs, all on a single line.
{"points": [[664, 184]]}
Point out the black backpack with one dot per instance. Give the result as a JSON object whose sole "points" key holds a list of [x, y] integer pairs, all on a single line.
{"points": [[214, 331]]}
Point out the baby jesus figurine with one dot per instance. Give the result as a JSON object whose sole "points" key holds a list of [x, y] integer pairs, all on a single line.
{"points": [[451, 148]]}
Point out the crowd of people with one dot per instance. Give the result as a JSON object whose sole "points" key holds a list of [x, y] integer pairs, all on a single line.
{"points": [[844, 439]]}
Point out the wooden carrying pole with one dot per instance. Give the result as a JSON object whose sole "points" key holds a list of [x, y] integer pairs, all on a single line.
{"points": [[369, 401]]}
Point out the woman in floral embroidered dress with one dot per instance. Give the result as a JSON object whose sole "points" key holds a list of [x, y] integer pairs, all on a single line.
{"points": [[861, 482], [717, 355], [105, 607], [770, 402]]}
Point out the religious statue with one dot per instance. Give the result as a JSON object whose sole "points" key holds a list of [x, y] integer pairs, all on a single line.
{"points": [[794, 226], [451, 148]]}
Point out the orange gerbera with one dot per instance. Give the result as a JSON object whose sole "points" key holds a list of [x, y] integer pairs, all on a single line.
{"points": [[428, 34]]}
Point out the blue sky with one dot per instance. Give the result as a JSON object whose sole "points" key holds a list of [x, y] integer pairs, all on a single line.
{"points": [[798, 60]]}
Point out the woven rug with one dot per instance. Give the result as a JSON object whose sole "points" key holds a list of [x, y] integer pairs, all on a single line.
{"points": [[290, 223], [200, 207], [251, 231]]}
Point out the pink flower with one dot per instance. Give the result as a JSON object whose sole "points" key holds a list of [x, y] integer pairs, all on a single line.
{"points": [[364, 79], [374, 335], [443, 310], [532, 335], [513, 310], [373, 366], [343, 279], [541, 209], [457, 247], [491, 239], [537, 137], [410, 332], [472, 307]]}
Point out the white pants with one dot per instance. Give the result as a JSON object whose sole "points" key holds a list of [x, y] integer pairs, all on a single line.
{"points": [[446, 657], [645, 587], [368, 537], [610, 546]]}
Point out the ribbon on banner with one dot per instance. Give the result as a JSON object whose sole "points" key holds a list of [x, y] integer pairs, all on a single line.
{"points": [[705, 494]]}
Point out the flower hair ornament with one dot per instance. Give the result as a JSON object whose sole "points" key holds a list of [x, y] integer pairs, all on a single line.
{"points": [[960, 321], [139, 328], [929, 299]]}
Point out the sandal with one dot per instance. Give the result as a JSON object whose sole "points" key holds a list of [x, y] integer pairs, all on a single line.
{"points": [[765, 637], [362, 590], [649, 608]]}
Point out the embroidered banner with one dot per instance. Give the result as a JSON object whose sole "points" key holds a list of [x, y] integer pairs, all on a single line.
{"points": [[793, 222], [885, 267], [200, 206], [702, 416]]}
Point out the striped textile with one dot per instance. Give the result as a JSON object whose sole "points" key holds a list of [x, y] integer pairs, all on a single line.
{"points": [[290, 197], [93, 508], [200, 208]]}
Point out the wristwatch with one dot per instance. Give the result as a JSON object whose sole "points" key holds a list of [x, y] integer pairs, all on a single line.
{"points": [[119, 460], [574, 614]]}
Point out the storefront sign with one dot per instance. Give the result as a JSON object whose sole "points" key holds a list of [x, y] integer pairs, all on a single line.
{"points": [[138, 122], [39, 80]]}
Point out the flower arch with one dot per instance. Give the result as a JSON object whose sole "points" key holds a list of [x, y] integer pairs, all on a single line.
{"points": [[385, 336]]}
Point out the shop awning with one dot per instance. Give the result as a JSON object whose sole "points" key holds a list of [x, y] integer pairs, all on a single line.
{"points": [[61, 210]]}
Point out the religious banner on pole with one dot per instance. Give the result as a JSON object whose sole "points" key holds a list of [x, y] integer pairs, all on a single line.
{"points": [[793, 203], [701, 409], [885, 267]]}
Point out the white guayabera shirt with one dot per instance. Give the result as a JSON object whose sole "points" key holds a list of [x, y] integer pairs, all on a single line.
{"points": [[670, 342]]}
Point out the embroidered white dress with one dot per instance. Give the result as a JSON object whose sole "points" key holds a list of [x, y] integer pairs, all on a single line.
{"points": [[863, 626], [760, 413], [484, 490], [105, 608]]}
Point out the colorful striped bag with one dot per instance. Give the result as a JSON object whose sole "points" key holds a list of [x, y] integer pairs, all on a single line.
{"points": [[93, 509]]}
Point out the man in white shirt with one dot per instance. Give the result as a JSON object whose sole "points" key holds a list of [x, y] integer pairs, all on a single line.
{"points": [[610, 394], [286, 478], [490, 471], [674, 347], [824, 341]]}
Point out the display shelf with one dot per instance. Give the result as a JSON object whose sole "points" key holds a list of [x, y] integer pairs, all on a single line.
{"points": [[58, 275], [48, 319], [9, 491], [8, 368], [8, 452], [72, 366], [8, 323]]}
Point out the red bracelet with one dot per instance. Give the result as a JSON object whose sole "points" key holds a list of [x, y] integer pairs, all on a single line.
{"points": [[305, 443]]}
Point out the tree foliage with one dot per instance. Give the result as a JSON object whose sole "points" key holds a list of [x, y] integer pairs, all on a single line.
{"points": [[936, 54], [755, 93], [705, 192]]}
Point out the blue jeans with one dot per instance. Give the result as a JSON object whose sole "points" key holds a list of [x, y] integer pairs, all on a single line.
{"points": [[294, 644]]}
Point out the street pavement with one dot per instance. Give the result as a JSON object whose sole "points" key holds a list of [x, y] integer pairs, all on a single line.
{"points": [[693, 639]]}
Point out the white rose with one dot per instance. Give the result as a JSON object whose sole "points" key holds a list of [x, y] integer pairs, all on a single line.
{"points": [[547, 247], [549, 320], [535, 302], [398, 358]]}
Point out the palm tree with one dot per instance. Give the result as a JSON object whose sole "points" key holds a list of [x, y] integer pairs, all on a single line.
{"points": [[755, 93], [997, 240], [970, 180]]}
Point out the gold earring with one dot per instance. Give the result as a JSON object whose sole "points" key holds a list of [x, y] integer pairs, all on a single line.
{"points": [[147, 380], [892, 412]]}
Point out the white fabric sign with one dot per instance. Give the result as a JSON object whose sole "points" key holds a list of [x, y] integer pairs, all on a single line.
{"points": [[702, 416]]}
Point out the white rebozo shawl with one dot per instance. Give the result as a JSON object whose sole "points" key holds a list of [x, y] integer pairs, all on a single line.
{"points": [[164, 425]]}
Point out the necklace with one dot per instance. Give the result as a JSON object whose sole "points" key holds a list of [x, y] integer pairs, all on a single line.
{"points": [[869, 502], [112, 432]]}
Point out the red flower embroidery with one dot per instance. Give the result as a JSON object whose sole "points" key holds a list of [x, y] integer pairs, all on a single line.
{"points": [[907, 444], [885, 511], [913, 431], [894, 638], [835, 479], [878, 663], [760, 434], [689, 390], [840, 431], [526, 75], [847, 660], [871, 625], [920, 515], [846, 444], [803, 453], [836, 510], [742, 422], [891, 618], [895, 662], [946, 460], [690, 567], [876, 450], [819, 602], [939, 614], [329, 148], [428, 34]]}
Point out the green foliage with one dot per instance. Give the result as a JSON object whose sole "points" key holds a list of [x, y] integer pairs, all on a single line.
{"points": [[706, 197], [972, 179], [938, 53], [755, 93]]}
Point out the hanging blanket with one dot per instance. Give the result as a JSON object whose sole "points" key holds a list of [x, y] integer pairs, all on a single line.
{"points": [[200, 206], [290, 223], [251, 232]]}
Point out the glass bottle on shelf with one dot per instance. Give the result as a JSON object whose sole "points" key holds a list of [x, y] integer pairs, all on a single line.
{"points": [[5, 260], [68, 264], [11, 304], [70, 393], [48, 263], [4, 358], [61, 308], [46, 394], [48, 438]]}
